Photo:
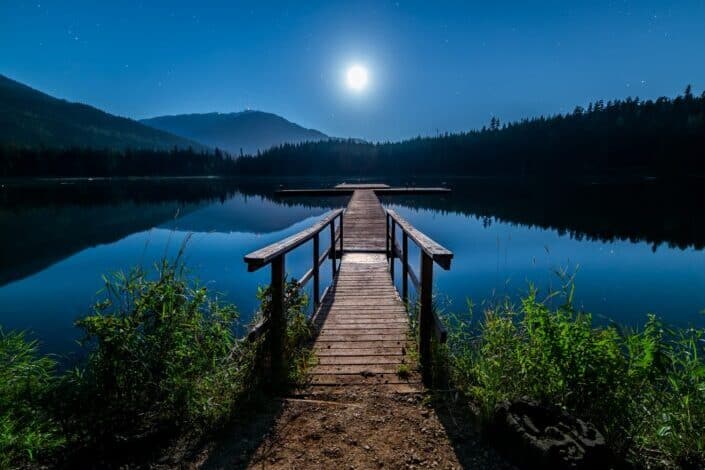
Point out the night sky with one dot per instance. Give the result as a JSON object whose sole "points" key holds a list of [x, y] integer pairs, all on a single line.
{"points": [[433, 66]]}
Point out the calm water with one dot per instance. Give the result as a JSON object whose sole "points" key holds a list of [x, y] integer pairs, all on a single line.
{"points": [[58, 240]]}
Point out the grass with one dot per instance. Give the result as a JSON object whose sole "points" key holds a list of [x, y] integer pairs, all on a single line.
{"points": [[161, 353], [404, 371], [300, 358], [645, 390], [27, 432], [161, 358]]}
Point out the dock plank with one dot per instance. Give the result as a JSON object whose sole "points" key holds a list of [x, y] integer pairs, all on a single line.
{"points": [[363, 325], [364, 226]]}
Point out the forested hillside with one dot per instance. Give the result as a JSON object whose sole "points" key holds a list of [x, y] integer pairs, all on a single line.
{"points": [[623, 137], [30, 118], [665, 136]]}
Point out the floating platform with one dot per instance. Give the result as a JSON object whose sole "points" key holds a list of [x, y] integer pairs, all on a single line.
{"points": [[361, 186], [345, 189]]}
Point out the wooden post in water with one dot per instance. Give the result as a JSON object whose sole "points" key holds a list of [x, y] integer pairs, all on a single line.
{"points": [[332, 245], [426, 316], [316, 284], [277, 318], [386, 237], [341, 235], [405, 267], [393, 249]]}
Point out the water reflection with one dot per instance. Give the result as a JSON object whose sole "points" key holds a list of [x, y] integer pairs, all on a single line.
{"points": [[616, 280], [59, 240], [638, 244]]}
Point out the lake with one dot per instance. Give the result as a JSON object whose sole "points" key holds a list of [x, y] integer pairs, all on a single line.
{"points": [[634, 247]]}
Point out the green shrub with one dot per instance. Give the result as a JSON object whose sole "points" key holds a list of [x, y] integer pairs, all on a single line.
{"points": [[161, 356], [26, 379], [297, 354], [645, 390], [161, 353]]}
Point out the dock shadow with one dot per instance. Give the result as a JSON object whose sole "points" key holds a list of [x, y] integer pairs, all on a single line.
{"points": [[464, 431], [235, 445], [247, 441]]}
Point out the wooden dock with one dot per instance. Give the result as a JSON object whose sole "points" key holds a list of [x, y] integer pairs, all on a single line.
{"points": [[363, 335]]}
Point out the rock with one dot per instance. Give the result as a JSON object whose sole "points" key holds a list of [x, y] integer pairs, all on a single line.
{"points": [[546, 436], [333, 452]]}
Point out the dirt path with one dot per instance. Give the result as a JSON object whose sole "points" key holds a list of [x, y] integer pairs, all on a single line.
{"points": [[355, 430]]}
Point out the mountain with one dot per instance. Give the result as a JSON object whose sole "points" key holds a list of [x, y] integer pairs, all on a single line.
{"points": [[31, 118], [248, 131]]}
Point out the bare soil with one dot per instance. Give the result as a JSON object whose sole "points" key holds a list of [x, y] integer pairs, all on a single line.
{"points": [[356, 429]]}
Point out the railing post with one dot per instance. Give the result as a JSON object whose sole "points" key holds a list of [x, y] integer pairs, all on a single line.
{"points": [[386, 237], [405, 267], [341, 235], [426, 316], [316, 254], [393, 250], [332, 245], [277, 318]]}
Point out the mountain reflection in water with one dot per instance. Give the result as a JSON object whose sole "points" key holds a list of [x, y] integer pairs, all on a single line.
{"points": [[639, 243]]}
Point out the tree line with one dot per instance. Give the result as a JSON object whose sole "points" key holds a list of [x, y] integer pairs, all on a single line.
{"points": [[632, 136], [17, 161], [663, 136]]}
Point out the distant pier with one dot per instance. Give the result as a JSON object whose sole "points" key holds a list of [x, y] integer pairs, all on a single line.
{"points": [[349, 188]]}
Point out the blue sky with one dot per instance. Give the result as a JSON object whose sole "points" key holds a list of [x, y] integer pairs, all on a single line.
{"points": [[434, 66]]}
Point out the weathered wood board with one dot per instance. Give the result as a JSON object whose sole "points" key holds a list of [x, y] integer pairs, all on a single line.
{"points": [[363, 325]]}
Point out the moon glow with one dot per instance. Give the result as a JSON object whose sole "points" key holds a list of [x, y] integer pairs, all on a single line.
{"points": [[357, 78]]}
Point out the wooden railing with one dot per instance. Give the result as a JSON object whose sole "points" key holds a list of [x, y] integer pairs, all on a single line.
{"points": [[431, 252], [275, 255]]}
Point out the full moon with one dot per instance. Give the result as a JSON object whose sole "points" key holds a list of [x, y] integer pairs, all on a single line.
{"points": [[357, 78]]}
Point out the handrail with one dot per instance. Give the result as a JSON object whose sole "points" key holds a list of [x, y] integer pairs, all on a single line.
{"points": [[438, 253], [275, 255], [410, 271], [258, 259], [429, 323], [310, 273]]}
